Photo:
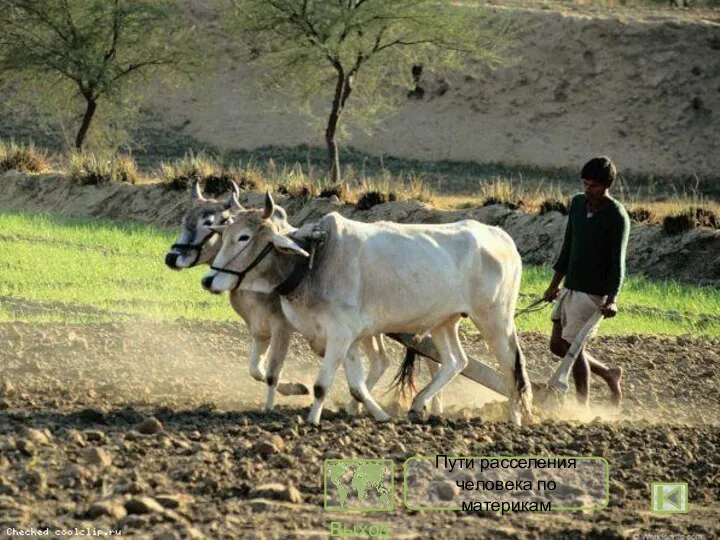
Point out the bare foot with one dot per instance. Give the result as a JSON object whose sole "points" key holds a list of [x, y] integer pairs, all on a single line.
{"points": [[616, 395]]}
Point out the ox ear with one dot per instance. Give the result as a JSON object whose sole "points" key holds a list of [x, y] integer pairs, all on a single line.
{"points": [[286, 245], [269, 206], [195, 193], [232, 202], [218, 228]]}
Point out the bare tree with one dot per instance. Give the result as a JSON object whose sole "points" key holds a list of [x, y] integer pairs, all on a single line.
{"points": [[363, 48], [98, 46]]}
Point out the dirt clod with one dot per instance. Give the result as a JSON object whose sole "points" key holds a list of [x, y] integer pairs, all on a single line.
{"points": [[6, 388], [95, 436], [168, 501], [276, 491], [149, 426], [142, 505], [447, 491], [267, 448], [92, 415], [37, 436], [112, 509], [97, 456]]}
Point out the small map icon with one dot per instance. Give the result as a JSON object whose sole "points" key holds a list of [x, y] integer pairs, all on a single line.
{"points": [[359, 485]]}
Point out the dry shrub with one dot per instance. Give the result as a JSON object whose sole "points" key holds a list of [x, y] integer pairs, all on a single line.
{"points": [[553, 205], [249, 178], [386, 188], [341, 191], [215, 186], [299, 188], [641, 215], [126, 169], [512, 205], [91, 169], [327, 192], [180, 174], [501, 192], [707, 218], [248, 182], [22, 157], [372, 198], [304, 191], [417, 191], [690, 219], [678, 223]]}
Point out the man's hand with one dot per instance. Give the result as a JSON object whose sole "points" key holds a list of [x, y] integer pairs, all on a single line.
{"points": [[551, 293], [609, 309]]}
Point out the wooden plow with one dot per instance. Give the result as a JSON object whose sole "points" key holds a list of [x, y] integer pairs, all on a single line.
{"points": [[476, 371], [544, 395]]}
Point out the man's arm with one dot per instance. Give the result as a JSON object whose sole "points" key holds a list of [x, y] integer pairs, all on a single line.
{"points": [[562, 262], [616, 275], [553, 290]]}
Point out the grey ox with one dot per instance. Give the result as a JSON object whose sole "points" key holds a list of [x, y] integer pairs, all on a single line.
{"points": [[269, 330], [371, 278]]}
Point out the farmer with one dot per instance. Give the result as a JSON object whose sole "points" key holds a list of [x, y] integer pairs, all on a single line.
{"points": [[592, 263]]}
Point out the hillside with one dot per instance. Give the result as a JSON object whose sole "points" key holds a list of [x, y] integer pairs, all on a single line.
{"points": [[643, 87]]}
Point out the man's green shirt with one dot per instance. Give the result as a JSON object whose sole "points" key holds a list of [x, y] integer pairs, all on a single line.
{"points": [[592, 257]]}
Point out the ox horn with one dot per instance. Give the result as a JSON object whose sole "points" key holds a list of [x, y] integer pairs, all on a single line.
{"points": [[235, 188], [195, 193], [269, 206], [232, 202]]}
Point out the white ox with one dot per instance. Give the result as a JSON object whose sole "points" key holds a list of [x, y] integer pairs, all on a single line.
{"points": [[372, 278], [270, 331]]}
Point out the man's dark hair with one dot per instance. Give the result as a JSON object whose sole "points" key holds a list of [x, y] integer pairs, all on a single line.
{"points": [[600, 169]]}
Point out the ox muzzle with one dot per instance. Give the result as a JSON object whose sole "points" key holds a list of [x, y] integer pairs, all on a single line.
{"points": [[208, 280], [178, 250]]}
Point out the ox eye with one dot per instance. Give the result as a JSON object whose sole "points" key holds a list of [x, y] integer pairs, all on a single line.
{"points": [[243, 238], [209, 221]]}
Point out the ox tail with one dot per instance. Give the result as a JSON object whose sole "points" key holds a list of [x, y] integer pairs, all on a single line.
{"points": [[522, 381], [404, 380]]}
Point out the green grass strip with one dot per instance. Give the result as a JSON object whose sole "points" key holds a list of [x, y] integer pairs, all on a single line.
{"points": [[60, 269]]}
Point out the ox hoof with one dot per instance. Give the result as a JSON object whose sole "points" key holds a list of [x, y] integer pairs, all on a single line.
{"points": [[353, 408], [293, 389], [382, 418], [416, 416], [314, 415]]}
